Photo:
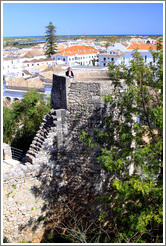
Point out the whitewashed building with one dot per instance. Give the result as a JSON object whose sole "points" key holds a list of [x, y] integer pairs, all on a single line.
{"points": [[144, 50], [77, 55], [118, 46], [37, 65], [11, 65], [115, 56]]}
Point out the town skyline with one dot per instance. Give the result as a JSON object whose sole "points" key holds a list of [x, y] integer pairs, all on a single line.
{"points": [[82, 18]]}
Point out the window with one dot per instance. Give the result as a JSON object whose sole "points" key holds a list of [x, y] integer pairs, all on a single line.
{"points": [[22, 74], [112, 59], [63, 59], [104, 64], [104, 59], [145, 59], [69, 59], [58, 58]]}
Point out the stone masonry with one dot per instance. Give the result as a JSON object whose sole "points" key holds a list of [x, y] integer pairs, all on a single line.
{"points": [[59, 166]]}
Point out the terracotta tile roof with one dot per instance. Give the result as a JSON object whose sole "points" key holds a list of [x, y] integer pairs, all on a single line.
{"points": [[111, 55], [11, 58], [48, 72], [26, 72], [53, 69], [39, 60], [141, 46], [80, 50], [118, 53], [91, 48], [124, 43], [32, 53], [21, 82]]}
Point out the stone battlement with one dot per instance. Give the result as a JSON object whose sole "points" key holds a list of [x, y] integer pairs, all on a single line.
{"points": [[87, 94]]}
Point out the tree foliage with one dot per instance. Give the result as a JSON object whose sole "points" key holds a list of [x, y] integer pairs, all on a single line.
{"points": [[24, 119], [132, 137], [50, 39], [8, 124]]}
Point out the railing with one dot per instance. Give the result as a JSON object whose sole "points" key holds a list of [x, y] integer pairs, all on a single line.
{"points": [[17, 154]]}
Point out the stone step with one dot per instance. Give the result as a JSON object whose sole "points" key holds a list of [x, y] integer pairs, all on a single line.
{"points": [[29, 158], [37, 140], [35, 147], [31, 152]]}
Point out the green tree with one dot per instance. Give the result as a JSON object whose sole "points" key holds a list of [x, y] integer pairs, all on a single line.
{"points": [[112, 39], [8, 124], [50, 39], [23, 119], [94, 60], [132, 136]]}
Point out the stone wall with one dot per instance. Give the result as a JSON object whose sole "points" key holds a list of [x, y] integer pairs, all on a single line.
{"points": [[7, 153], [23, 213], [58, 93], [59, 167]]}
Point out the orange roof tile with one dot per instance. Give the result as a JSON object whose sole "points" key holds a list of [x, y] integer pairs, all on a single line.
{"points": [[141, 46], [91, 48], [74, 50]]}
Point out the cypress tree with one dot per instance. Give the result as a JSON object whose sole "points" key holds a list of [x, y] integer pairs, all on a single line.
{"points": [[51, 46]]}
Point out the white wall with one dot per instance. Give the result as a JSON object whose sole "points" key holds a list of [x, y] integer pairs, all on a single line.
{"points": [[77, 59], [117, 46], [129, 57], [11, 66], [13, 94], [116, 60]]}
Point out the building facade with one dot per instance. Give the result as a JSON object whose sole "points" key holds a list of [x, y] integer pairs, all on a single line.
{"points": [[144, 50], [115, 56], [77, 55]]}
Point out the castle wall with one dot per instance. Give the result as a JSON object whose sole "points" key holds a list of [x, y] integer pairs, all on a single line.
{"points": [[60, 168], [58, 93], [22, 212]]}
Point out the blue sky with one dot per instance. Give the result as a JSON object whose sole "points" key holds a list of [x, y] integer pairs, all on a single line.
{"points": [[30, 19]]}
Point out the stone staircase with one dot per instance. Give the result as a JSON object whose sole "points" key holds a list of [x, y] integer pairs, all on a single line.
{"points": [[49, 122], [50, 136]]}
